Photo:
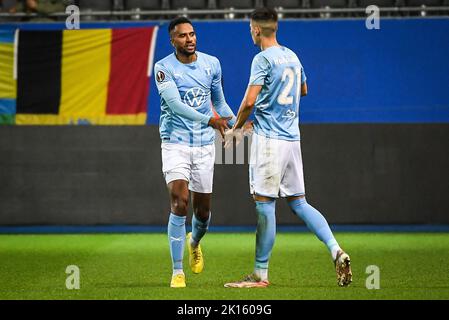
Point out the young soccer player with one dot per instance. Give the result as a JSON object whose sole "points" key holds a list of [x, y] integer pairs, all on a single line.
{"points": [[188, 82], [276, 84]]}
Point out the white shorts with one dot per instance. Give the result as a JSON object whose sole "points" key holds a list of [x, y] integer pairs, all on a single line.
{"points": [[193, 164], [275, 167]]}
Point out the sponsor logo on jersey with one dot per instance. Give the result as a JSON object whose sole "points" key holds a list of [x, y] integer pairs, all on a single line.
{"points": [[195, 97], [290, 114]]}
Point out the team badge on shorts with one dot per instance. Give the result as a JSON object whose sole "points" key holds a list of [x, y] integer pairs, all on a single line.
{"points": [[160, 76]]}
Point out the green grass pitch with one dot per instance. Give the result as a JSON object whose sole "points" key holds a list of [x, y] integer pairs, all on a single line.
{"points": [[137, 266]]}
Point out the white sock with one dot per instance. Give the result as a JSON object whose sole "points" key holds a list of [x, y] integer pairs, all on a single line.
{"points": [[334, 251], [177, 271], [261, 273]]}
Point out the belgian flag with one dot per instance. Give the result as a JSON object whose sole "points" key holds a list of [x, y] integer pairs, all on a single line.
{"points": [[89, 76]]}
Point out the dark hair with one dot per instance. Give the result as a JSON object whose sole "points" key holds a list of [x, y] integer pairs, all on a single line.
{"points": [[176, 21], [264, 14]]}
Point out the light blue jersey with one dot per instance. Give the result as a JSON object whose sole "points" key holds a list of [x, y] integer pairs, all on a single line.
{"points": [[188, 92], [280, 73]]}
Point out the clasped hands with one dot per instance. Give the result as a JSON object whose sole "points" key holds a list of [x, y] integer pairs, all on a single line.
{"points": [[238, 134]]}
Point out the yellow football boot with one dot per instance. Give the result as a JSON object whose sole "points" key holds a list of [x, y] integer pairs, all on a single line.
{"points": [[178, 281], [196, 261]]}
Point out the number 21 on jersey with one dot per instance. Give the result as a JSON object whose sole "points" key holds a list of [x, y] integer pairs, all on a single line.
{"points": [[288, 76]]}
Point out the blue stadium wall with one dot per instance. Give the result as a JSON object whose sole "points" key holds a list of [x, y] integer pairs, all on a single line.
{"points": [[375, 135]]}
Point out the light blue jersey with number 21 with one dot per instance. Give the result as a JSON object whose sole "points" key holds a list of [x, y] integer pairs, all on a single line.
{"points": [[280, 73]]}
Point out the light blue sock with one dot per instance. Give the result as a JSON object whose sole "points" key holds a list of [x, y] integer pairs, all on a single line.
{"points": [[176, 238], [199, 229], [316, 223], [266, 232]]}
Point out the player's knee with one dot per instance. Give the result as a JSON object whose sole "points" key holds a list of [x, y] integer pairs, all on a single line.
{"points": [[202, 212], [179, 203]]}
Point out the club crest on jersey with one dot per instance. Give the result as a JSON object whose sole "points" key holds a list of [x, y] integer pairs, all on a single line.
{"points": [[160, 76], [195, 97], [208, 71]]}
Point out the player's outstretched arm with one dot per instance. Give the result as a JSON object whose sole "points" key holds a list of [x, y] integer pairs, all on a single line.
{"points": [[173, 100], [224, 110], [218, 98], [247, 105]]}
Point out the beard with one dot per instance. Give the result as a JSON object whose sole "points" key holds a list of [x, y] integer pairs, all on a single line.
{"points": [[186, 53]]}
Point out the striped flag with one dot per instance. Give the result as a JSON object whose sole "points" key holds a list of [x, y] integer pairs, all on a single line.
{"points": [[7, 82], [91, 76]]}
